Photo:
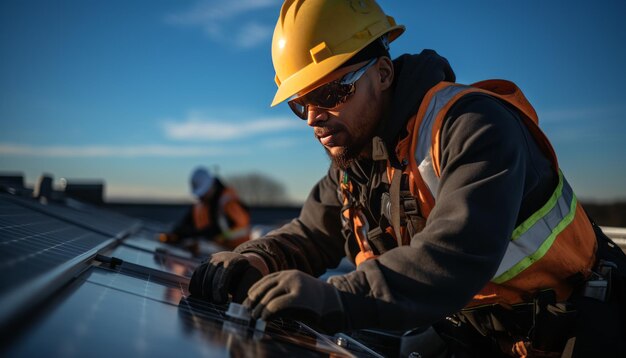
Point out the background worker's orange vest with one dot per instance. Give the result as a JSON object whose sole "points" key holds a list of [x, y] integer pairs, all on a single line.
{"points": [[554, 244], [229, 210]]}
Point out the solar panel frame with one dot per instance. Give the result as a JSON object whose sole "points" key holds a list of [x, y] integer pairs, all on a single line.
{"points": [[36, 256]]}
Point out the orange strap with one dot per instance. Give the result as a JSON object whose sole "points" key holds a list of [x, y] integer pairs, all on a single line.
{"points": [[201, 217], [237, 214], [360, 226]]}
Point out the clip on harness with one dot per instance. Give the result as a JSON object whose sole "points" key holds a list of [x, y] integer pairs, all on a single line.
{"points": [[360, 225], [401, 209]]}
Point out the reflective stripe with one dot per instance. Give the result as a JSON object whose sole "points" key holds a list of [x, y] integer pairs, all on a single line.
{"points": [[531, 239], [427, 172], [235, 234], [534, 237], [424, 139]]}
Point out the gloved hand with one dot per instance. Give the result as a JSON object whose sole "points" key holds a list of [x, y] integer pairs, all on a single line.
{"points": [[222, 274], [296, 295]]}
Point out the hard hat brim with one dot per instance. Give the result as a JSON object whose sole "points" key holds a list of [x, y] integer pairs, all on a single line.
{"points": [[301, 80]]}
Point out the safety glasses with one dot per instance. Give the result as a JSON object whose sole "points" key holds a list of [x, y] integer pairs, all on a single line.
{"points": [[329, 95]]}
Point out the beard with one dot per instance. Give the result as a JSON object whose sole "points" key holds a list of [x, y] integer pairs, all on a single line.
{"points": [[360, 136], [343, 160], [347, 154]]}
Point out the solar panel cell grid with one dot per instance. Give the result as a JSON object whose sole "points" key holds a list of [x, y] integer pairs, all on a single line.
{"points": [[32, 243], [92, 217]]}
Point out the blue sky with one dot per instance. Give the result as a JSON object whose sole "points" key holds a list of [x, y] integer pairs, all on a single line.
{"points": [[138, 93]]}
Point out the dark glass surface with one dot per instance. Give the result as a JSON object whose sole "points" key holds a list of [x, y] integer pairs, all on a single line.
{"points": [[148, 242], [106, 313], [91, 217], [135, 309], [158, 261], [32, 244]]}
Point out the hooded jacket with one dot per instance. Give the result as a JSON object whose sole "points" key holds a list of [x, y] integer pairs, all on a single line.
{"points": [[493, 176]]}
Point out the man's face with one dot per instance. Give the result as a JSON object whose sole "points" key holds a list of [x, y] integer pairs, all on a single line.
{"points": [[346, 130]]}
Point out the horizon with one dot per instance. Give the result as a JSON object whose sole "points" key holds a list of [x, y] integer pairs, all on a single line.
{"points": [[138, 94]]}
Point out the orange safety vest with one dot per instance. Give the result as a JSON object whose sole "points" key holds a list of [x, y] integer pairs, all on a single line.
{"points": [[554, 244], [228, 208]]}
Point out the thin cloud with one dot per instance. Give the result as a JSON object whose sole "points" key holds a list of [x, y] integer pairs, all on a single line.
{"points": [[280, 143], [115, 151], [198, 127], [253, 34], [206, 11], [217, 20]]}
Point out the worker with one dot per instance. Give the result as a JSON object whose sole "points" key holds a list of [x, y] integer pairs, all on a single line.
{"points": [[218, 215], [448, 197]]}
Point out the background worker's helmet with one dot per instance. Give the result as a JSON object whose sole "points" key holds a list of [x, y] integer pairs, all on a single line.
{"points": [[201, 182], [313, 38]]}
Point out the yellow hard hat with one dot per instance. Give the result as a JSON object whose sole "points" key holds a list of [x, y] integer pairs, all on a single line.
{"points": [[313, 38]]}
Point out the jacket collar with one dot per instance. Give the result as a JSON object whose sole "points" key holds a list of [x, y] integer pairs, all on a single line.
{"points": [[414, 76]]}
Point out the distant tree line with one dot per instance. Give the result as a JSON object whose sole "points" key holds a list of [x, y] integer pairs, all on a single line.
{"points": [[257, 189]]}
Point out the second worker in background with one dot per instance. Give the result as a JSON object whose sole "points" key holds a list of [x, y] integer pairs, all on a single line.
{"points": [[218, 215]]}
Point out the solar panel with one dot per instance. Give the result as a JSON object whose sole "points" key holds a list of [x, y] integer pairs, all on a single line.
{"points": [[84, 215], [32, 244], [146, 317], [70, 287], [148, 243], [155, 260]]}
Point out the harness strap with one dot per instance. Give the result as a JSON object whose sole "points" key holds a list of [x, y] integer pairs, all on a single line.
{"points": [[394, 192], [356, 220], [404, 208], [201, 216], [361, 229], [414, 222]]}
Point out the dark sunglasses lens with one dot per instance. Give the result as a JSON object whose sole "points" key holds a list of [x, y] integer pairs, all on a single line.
{"points": [[298, 108], [325, 96], [329, 95]]}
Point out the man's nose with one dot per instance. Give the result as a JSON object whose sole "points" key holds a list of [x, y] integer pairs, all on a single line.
{"points": [[316, 115]]}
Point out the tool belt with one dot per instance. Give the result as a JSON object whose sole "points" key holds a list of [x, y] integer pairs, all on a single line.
{"points": [[544, 327]]}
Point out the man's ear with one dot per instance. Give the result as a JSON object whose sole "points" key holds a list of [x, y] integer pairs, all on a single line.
{"points": [[385, 70]]}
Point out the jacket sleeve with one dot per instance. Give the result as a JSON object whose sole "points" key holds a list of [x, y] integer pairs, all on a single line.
{"points": [[485, 162], [311, 243], [185, 227]]}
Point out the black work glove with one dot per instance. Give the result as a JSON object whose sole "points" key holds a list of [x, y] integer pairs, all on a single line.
{"points": [[222, 274], [295, 295]]}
